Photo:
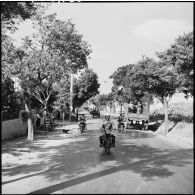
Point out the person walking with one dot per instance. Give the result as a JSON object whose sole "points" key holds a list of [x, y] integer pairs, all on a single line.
{"points": [[38, 121], [139, 108]]}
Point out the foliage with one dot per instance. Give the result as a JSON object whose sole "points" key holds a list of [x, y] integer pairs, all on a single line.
{"points": [[11, 101], [14, 12], [43, 60], [101, 100], [119, 76], [86, 87], [180, 56], [63, 89]]}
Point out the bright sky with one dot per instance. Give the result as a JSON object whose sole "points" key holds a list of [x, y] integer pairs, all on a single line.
{"points": [[120, 33]]}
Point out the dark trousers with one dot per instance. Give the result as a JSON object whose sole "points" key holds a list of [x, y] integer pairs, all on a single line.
{"points": [[121, 123]]}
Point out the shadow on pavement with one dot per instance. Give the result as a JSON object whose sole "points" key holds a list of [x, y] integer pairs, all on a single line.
{"points": [[82, 155]]}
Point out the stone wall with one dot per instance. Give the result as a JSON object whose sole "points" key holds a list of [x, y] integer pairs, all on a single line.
{"points": [[13, 129]]}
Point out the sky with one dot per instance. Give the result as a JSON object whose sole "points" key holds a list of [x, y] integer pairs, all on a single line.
{"points": [[121, 33]]}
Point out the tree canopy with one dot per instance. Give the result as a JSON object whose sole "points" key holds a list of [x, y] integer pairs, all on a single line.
{"points": [[85, 87], [55, 50], [180, 57]]}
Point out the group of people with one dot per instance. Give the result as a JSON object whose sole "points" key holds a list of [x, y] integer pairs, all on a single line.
{"points": [[106, 128], [44, 120]]}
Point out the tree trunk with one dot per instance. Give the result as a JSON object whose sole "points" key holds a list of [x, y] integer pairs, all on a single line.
{"points": [[30, 124], [30, 130], [166, 117]]}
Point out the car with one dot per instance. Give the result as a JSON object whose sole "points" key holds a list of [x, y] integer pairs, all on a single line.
{"points": [[95, 113]]}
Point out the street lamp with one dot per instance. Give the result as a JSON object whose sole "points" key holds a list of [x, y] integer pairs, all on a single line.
{"points": [[71, 94], [71, 73]]}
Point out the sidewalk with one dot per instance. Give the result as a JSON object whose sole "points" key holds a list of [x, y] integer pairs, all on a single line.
{"points": [[68, 124]]}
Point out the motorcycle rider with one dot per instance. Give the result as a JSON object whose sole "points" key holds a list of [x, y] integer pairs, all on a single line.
{"points": [[121, 120], [107, 126], [82, 120]]}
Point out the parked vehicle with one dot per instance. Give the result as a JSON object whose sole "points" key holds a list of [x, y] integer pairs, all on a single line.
{"points": [[139, 121], [95, 112]]}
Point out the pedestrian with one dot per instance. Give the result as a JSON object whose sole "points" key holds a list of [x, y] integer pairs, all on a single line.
{"points": [[139, 108], [42, 120], [130, 107], [38, 121]]}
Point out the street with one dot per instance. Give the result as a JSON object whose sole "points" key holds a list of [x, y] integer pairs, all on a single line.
{"points": [[141, 162]]}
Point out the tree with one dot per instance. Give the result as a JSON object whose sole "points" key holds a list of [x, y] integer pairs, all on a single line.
{"points": [[13, 12], [149, 78], [11, 101], [55, 50], [137, 82], [85, 87], [120, 78], [163, 83], [102, 100], [180, 57]]}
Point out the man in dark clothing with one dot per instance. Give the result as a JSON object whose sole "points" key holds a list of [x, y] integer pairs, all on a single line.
{"points": [[82, 120], [106, 128], [121, 120]]}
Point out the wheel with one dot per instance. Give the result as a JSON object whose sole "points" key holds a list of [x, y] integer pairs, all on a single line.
{"points": [[107, 146], [120, 129], [82, 130], [123, 129]]}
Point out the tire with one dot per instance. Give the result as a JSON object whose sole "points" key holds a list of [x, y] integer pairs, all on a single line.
{"points": [[120, 129], [123, 129], [107, 148], [81, 129]]}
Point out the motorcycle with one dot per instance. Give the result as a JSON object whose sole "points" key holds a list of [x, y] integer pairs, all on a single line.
{"points": [[107, 142], [121, 128], [82, 126]]}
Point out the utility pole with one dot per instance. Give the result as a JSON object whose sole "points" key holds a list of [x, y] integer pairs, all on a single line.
{"points": [[71, 95]]}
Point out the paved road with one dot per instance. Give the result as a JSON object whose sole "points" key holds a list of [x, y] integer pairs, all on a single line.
{"points": [[141, 163]]}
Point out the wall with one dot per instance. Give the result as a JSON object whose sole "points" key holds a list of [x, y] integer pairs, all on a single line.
{"points": [[13, 129]]}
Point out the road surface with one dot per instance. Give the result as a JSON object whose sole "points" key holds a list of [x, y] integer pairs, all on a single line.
{"points": [[72, 163]]}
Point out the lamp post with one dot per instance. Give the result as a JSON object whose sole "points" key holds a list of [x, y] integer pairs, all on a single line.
{"points": [[71, 73], [71, 94]]}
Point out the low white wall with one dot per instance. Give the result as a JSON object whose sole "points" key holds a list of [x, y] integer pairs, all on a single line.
{"points": [[13, 128]]}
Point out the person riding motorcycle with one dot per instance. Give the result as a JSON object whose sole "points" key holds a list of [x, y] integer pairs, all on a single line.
{"points": [[121, 121], [82, 120], [107, 127]]}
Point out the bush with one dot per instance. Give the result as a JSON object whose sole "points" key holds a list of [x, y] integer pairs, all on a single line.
{"points": [[9, 115]]}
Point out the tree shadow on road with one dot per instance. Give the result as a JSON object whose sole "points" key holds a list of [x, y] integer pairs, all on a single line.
{"points": [[76, 161]]}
